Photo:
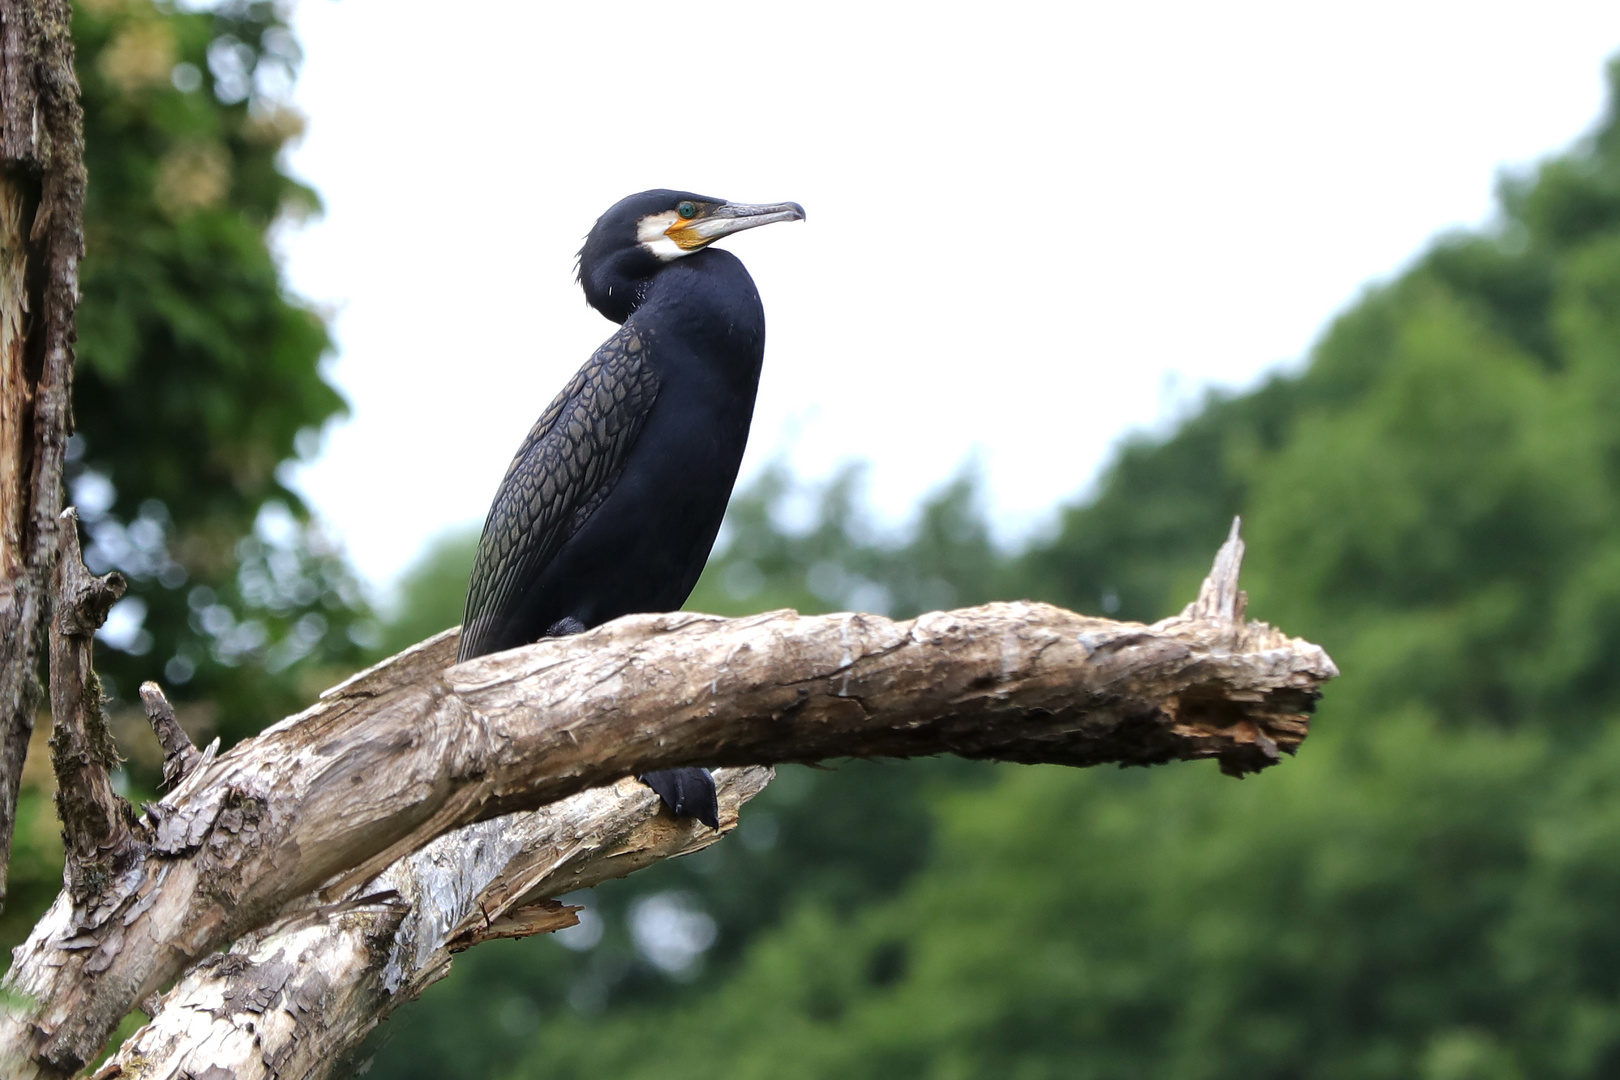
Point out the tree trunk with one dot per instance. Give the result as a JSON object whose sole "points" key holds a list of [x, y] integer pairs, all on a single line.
{"points": [[41, 240]]}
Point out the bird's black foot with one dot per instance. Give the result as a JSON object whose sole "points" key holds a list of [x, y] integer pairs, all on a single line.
{"points": [[566, 627], [687, 792]]}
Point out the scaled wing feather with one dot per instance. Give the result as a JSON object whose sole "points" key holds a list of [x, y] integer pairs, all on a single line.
{"points": [[565, 468]]}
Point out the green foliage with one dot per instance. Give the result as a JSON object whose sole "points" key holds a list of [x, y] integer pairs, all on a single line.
{"points": [[198, 374], [1418, 903], [842, 560]]}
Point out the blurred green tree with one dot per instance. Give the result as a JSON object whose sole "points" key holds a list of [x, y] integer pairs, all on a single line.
{"points": [[199, 374], [199, 378]]}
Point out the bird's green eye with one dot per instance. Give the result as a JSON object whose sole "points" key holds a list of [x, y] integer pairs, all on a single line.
{"points": [[687, 209]]}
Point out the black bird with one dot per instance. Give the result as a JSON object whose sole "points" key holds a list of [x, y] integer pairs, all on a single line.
{"points": [[613, 501]]}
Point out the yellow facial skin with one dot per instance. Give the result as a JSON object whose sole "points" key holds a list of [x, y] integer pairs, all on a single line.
{"points": [[684, 230], [669, 235], [657, 232]]}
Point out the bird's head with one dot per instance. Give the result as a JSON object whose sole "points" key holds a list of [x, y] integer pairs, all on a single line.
{"points": [[642, 233]]}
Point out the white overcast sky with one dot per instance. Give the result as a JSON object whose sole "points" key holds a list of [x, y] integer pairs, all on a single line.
{"points": [[1032, 227]]}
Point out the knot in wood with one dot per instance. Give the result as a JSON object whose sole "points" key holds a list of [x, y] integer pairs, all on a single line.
{"points": [[87, 603]]}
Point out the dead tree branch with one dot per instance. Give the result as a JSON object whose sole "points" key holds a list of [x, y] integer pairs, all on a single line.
{"points": [[41, 240], [294, 999], [97, 824], [180, 755], [405, 752]]}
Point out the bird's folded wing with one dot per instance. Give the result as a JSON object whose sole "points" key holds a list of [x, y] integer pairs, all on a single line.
{"points": [[570, 461]]}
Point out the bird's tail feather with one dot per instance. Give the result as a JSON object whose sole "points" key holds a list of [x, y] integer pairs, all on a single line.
{"points": [[687, 792]]}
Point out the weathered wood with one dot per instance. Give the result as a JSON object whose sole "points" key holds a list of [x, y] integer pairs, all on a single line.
{"points": [[41, 241], [293, 1000], [411, 749], [98, 826], [180, 755]]}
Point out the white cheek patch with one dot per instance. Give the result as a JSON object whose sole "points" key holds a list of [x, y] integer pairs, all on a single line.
{"points": [[651, 234]]}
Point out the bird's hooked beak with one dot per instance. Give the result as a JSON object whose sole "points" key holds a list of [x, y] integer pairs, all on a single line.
{"points": [[714, 221]]}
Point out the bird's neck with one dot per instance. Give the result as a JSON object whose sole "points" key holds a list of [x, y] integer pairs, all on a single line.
{"points": [[617, 284], [709, 302]]}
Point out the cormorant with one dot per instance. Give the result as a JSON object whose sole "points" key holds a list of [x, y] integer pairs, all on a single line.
{"points": [[615, 498]]}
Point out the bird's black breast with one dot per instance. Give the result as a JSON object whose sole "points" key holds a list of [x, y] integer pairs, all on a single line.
{"points": [[567, 466]]}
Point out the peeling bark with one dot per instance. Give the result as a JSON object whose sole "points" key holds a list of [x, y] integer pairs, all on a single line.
{"points": [[41, 240], [411, 749], [292, 1001]]}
